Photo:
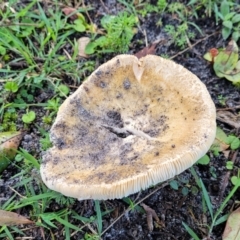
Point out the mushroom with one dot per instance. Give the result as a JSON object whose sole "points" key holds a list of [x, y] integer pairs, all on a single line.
{"points": [[132, 124]]}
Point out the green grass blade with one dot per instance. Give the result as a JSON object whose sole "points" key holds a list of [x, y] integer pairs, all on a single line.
{"points": [[8, 203], [197, 27], [67, 230], [33, 199], [222, 219], [16, 45], [48, 221], [99, 216], [25, 10], [235, 188], [197, 179], [8, 234], [30, 158], [23, 182], [133, 205], [206, 198], [17, 230], [190, 231], [67, 224]]}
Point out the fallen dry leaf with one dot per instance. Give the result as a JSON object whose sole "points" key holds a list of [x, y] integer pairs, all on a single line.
{"points": [[9, 142], [150, 215], [226, 153], [147, 50], [82, 43], [229, 118], [221, 145], [8, 6], [150, 49], [11, 218], [221, 141], [232, 228], [71, 12]]}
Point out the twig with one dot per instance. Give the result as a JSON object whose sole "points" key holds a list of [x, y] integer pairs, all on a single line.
{"points": [[18, 64], [229, 118], [18, 24], [104, 6], [68, 55], [22, 238], [92, 230], [188, 42], [17, 193], [230, 123], [145, 36], [89, 18], [72, 86], [140, 201], [226, 178], [229, 108], [193, 45]]}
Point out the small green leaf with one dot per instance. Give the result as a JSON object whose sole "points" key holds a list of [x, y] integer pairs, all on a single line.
{"points": [[63, 90], [185, 191], [224, 8], [236, 18], [90, 48], [235, 180], [194, 190], [29, 117], [234, 142], [226, 32], [11, 86], [208, 56], [227, 24], [53, 104], [229, 165], [212, 170], [79, 26], [235, 36], [204, 160], [206, 198], [2, 50], [229, 16], [61, 58], [183, 180], [18, 158], [174, 184]]}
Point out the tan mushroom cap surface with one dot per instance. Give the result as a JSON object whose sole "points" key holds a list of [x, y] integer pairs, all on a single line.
{"points": [[133, 123]]}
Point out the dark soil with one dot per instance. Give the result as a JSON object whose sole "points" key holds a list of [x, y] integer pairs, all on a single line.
{"points": [[171, 205]]}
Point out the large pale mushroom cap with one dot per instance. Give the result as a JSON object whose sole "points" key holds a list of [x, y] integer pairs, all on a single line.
{"points": [[133, 123]]}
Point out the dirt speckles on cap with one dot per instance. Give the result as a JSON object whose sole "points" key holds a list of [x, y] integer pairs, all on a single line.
{"points": [[126, 84]]}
